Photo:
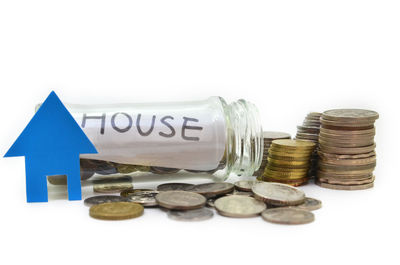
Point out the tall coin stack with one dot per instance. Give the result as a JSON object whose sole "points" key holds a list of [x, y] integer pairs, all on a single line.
{"points": [[310, 131], [268, 138], [288, 162], [347, 156]]}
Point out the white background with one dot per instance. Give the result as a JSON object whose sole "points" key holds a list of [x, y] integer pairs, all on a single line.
{"points": [[287, 57]]}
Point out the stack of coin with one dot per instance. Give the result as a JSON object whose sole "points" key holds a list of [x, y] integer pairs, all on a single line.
{"points": [[309, 130], [288, 162], [347, 149], [268, 138]]}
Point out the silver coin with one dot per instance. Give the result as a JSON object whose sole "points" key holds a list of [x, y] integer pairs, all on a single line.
{"points": [[112, 187], [210, 203], [175, 186], [210, 190], [239, 206], [244, 185], [103, 199], [278, 194], [191, 215], [310, 204], [239, 192], [145, 198], [287, 215], [180, 200]]}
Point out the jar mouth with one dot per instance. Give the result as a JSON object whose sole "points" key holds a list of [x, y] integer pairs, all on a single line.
{"points": [[245, 139]]}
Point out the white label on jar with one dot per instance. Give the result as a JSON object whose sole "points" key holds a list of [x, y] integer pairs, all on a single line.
{"points": [[188, 135]]}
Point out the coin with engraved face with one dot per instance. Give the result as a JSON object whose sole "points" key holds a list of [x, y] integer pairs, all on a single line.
{"points": [[278, 194], [180, 200], [239, 206], [287, 215], [191, 215]]}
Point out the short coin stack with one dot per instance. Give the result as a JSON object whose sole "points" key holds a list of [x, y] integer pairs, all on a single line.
{"points": [[268, 138], [347, 149], [288, 162]]}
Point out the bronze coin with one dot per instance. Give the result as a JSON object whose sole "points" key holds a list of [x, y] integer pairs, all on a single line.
{"points": [[344, 187]]}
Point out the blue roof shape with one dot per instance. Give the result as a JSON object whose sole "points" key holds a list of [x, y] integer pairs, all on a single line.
{"points": [[52, 130]]}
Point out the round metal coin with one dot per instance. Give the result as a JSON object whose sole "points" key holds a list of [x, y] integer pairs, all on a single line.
{"points": [[145, 198], [174, 186], [310, 204], [180, 200], [244, 185], [278, 194], [239, 206], [103, 199], [191, 215], [287, 215], [210, 190], [116, 210]]}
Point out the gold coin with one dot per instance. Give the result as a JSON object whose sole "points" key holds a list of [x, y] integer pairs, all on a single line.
{"points": [[293, 144], [285, 169], [289, 158], [116, 210], [125, 168], [288, 163], [283, 175], [285, 153], [294, 183]]}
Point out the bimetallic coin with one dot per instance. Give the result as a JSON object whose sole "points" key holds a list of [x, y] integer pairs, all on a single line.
{"points": [[180, 200], [278, 194], [310, 204], [116, 210], [239, 206], [145, 198], [103, 199], [210, 190], [288, 215], [244, 185], [174, 186], [191, 215]]}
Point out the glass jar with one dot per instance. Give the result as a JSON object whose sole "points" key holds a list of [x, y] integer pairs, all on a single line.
{"points": [[171, 141]]}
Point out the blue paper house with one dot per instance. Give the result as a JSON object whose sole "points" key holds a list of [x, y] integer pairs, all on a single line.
{"points": [[51, 144]]}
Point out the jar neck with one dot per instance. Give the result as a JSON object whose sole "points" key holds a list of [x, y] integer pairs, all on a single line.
{"points": [[244, 137]]}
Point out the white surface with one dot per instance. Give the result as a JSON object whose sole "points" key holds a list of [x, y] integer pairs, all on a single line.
{"points": [[287, 57]]}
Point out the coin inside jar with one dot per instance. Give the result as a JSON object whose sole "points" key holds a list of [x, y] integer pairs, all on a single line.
{"points": [[180, 200], [175, 186], [239, 206]]}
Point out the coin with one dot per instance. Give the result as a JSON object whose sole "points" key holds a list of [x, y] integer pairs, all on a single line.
{"points": [[244, 185], [348, 150], [174, 186], [125, 168], [344, 187], [210, 203], [112, 187], [103, 199], [191, 215], [145, 198], [350, 115], [180, 200], [127, 193], [293, 144], [350, 162], [239, 192], [347, 181], [278, 194], [213, 189], [287, 215], [239, 206], [323, 155], [270, 135], [116, 210], [163, 170], [310, 204]]}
